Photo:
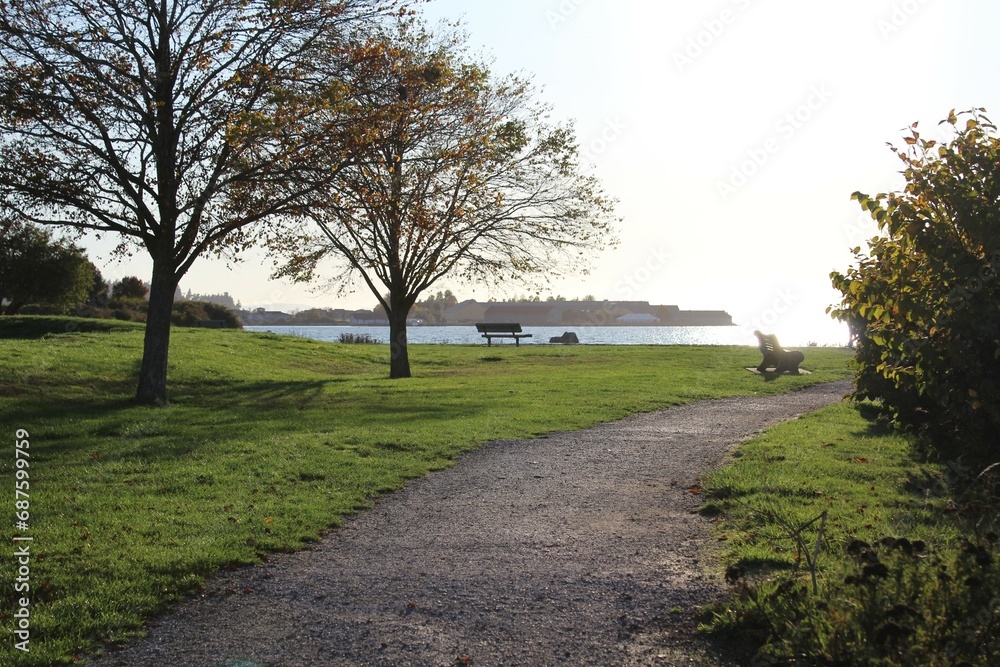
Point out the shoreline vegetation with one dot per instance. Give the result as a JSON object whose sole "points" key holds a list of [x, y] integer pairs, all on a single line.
{"points": [[268, 442]]}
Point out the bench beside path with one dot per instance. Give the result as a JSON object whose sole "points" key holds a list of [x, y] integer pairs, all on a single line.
{"points": [[574, 549]]}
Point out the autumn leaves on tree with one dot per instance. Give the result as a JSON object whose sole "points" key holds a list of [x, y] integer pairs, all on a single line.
{"points": [[193, 128], [460, 174]]}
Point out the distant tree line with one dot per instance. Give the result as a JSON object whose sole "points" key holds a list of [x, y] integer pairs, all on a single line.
{"points": [[43, 275], [221, 299]]}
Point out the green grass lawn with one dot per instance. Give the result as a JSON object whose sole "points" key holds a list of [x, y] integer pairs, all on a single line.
{"points": [[904, 575], [267, 442]]}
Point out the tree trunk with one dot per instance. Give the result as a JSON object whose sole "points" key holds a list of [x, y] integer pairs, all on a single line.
{"points": [[399, 363], [153, 373]]}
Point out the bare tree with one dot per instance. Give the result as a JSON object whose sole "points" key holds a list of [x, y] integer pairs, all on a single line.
{"points": [[177, 124], [462, 174]]}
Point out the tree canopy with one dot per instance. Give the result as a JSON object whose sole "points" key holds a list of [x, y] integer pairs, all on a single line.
{"points": [[176, 124], [129, 287], [924, 298], [462, 174]]}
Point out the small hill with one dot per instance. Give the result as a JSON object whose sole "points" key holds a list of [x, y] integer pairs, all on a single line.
{"points": [[38, 326]]}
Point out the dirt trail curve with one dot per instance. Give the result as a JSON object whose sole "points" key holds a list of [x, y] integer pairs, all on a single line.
{"points": [[581, 548]]}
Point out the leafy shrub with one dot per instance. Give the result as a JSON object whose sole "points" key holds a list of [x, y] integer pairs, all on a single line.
{"points": [[133, 303], [188, 313], [809, 591], [358, 339], [41, 309], [109, 313], [902, 604], [923, 300]]}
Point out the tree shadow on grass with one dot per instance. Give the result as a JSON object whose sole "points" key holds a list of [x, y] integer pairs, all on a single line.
{"points": [[261, 398], [222, 410], [763, 565], [878, 423], [770, 375]]}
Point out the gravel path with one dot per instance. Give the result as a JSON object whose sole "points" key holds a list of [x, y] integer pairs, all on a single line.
{"points": [[581, 548]]}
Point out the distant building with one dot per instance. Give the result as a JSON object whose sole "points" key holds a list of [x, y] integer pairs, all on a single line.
{"points": [[221, 299], [260, 316], [638, 318], [526, 313], [467, 312], [583, 313], [367, 318], [668, 315], [538, 314], [702, 318], [598, 313]]}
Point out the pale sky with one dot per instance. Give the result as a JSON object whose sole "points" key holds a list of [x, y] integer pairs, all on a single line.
{"points": [[732, 133]]}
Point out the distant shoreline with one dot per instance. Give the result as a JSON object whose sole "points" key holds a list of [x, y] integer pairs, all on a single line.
{"points": [[556, 313], [428, 324], [542, 335]]}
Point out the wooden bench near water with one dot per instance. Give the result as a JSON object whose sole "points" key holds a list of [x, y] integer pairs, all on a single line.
{"points": [[491, 330]]}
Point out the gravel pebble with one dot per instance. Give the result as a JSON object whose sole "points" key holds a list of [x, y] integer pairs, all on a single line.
{"points": [[580, 548]]}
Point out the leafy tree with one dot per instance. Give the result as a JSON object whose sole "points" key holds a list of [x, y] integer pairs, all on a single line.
{"points": [[34, 268], [463, 175], [432, 307], [316, 315], [190, 313], [177, 124], [924, 299], [129, 287], [98, 295]]}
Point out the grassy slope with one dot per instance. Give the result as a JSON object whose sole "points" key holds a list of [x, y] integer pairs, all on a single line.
{"points": [[268, 441], [865, 479], [832, 460]]}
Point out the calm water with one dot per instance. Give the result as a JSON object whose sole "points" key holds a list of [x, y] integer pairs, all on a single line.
{"points": [[540, 335]]}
